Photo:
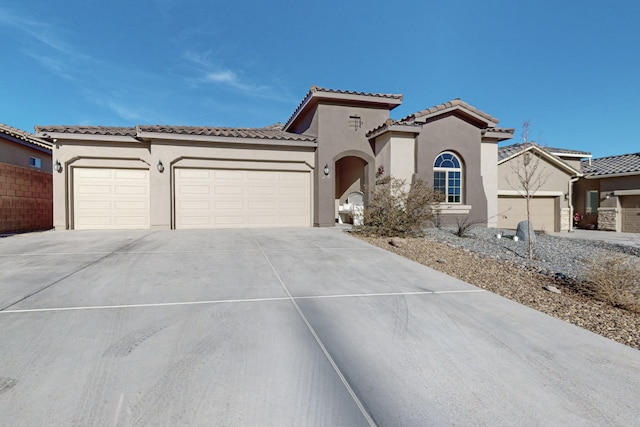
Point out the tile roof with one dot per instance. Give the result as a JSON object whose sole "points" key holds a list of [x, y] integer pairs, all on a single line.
{"points": [[317, 89], [612, 165], [509, 150], [24, 136], [390, 122], [349, 92], [273, 132], [567, 151], [88, 130], [448, 105]]}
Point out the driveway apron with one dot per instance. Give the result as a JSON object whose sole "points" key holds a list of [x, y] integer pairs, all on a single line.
{"points": [[281, 327]]}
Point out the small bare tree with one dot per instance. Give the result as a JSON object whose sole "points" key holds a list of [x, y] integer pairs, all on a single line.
{"points": [[528, 177]]}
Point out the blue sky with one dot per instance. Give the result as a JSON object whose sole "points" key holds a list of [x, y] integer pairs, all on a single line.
{"points": [[571, 68]]}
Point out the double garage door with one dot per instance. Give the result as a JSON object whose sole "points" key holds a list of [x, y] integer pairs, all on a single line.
{"points": [[630, 214], [512, 210], [219, 198], [106, 198]]}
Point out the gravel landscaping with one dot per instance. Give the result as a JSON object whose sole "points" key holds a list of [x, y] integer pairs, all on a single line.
{"points": [[501, 266]]}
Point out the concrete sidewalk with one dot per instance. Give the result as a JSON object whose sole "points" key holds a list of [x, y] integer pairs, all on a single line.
{"points": [[627, 239], [282, 327]]}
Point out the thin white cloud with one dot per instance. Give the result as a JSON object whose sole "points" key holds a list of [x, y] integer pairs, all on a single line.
{"points": [[44, 33], [124, 112], [210, 73]]}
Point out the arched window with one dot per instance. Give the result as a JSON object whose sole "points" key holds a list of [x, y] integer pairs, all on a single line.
{"points": [[447, 177]]}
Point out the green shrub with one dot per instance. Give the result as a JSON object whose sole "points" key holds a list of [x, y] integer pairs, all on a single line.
{"points": [[398, 209]]}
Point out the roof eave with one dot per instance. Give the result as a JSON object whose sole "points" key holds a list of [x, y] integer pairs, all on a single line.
{"points": [[56, 136], [395, 128], [498, 135], [546, 155], [43, 147], [148, 136], [611, 175], [313, 98]]}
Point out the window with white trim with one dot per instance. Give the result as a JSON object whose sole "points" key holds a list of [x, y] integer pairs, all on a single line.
{"points": [[591, 202], [36, 162], [447, 176]]}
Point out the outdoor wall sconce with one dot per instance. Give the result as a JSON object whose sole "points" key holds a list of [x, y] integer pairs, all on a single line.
{"points": [[57, 166], [160, 166], [326, 170]]}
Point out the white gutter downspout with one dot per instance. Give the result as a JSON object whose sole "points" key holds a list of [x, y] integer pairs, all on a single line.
{"points": [[571, 182]]}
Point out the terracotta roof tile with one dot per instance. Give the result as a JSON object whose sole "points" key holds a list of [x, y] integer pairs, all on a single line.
{"points": [[88, 130], [567, 151], [446, 106], [612, 165], [273, 132], [317, 89], [509, 150], [390, 122], [24, 136], [349, 92]]}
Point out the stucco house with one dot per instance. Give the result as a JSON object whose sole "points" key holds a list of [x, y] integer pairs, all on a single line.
{"points": [[551, 204], [25, 181], [331, 149], [608, 197]]}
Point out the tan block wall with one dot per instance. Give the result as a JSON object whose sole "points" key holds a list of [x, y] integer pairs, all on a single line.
{"points": [[26, 199]]}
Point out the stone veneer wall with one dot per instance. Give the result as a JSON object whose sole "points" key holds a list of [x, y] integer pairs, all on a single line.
{"points": [[607, 219], [565, 219], [26, 199]]}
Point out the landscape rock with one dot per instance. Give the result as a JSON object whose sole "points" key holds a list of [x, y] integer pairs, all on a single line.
{"points": [[521, 231], [398, 242], [553, 289]]}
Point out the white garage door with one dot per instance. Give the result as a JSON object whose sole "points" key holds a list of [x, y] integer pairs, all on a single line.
{"points": [[512, 210], [110, 198], [219, 198], [630, 214]]}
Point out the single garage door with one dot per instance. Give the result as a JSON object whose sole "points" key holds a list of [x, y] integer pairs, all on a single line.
{"points": [[220, 198], [110, 198], [512, 210], [630, 214]]}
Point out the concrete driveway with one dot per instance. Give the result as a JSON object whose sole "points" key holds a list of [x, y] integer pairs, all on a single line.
{"points": [[615, 238], [306, 327]]}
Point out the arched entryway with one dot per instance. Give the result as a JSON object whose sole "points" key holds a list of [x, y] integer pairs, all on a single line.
{"points": [[351, 182]]}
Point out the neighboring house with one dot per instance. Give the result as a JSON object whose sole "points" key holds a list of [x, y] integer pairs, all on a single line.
{"points": [[25, 182], [608, 197], [550, 205], [332, 148]]}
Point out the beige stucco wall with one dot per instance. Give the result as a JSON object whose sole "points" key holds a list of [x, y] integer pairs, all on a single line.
{"points": [[451, 133], [383, 154], [609, 207], [337, 139], [488, 156], [402, 161], [555, 179], [395, 153], [146, 155], [18, 155]]}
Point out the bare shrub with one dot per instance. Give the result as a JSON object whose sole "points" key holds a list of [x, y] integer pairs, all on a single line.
{"points": [[615, 280], [464, 225], [397, 209]]}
